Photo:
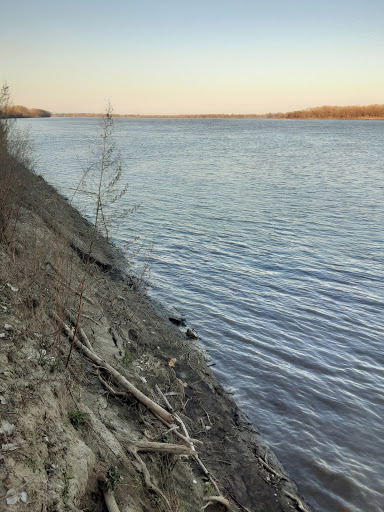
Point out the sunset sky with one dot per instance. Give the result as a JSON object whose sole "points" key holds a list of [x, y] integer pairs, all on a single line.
{"points": [[152, 57]]}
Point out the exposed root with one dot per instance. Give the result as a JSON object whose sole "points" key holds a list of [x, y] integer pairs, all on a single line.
{"points": [[191, 444], [270, 469], [119, 394], [110, 501], [298, 502], [216, 499], [147, 477], [83, 337], [167, 418]]}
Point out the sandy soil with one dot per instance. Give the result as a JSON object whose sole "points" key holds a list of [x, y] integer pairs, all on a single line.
{"points": [[64, 435]]}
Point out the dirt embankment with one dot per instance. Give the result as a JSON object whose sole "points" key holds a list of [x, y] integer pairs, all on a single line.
{"points": [[77, 438]]}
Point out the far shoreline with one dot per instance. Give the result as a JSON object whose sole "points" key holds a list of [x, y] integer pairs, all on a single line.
{"points": [[215, 116]]}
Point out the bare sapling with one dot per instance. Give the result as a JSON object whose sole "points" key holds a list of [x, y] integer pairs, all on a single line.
{"points": [[102, 181]]}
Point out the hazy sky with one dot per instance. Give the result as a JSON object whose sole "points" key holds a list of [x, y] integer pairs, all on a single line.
{"points": [[185, 56]]}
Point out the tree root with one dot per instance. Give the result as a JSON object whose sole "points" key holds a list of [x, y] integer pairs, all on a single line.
{"points": [[270, 469], [82, 336], [216, 499], [167, 418], [300, 506], [115, 446], [110, 501], [195, 455]]}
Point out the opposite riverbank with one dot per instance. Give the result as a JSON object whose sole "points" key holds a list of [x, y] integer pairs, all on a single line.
{"points": [[75, 439]]}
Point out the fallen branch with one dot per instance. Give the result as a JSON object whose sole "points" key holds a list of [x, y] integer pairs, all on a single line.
{"points": [[124, 383], [176, 449]]}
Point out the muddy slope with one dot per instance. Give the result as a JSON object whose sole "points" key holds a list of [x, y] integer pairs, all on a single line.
{"points": [[70, 436]]}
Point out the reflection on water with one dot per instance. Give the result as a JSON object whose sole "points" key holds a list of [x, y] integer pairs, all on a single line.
{"points": [[268, 238]]}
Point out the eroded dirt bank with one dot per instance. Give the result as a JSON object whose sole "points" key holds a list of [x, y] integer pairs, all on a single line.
{"points": [[72, 438]]}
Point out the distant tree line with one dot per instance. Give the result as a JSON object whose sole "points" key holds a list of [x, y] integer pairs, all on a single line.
{"points": [[325, 112], [334, 112], [17, 111]]}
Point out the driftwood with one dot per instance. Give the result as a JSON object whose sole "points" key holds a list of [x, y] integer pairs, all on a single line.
{"points": [[124, 383]]}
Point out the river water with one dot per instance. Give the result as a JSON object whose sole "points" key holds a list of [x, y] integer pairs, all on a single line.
{"points": [[268, 236]]}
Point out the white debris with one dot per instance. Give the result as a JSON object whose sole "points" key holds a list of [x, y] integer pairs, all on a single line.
{"points": [[9, 447], [6, 427], [2, 334], [143, 379], [14, 497], [8, 327], [207, 427], [3, 400], [13, 288]]}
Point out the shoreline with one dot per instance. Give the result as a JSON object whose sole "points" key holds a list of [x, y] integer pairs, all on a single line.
{"points": [[131, 332], [216, 116]]}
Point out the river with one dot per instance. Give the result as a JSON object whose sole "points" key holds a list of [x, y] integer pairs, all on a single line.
{"points": [[268, 237]]}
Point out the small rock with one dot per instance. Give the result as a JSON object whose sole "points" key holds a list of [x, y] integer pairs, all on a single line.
{"points": [[13, 497], [3, 400], [178, 321], [191, 333], [13, 288], [8, 327], [6, 427], [2, 334]]}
